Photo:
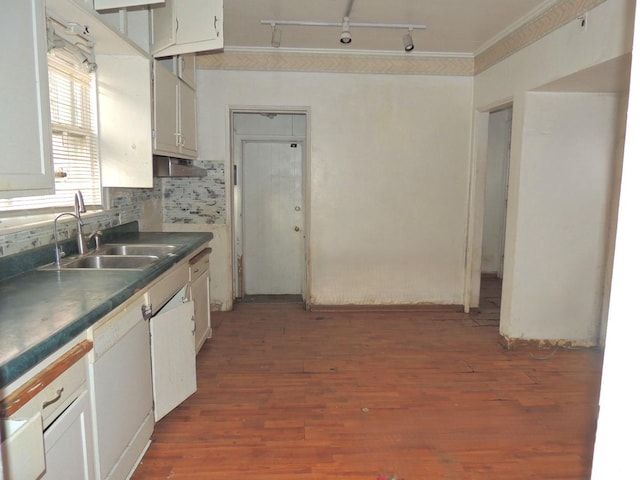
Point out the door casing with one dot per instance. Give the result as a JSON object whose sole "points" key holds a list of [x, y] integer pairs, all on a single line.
{"points": [[235, 179]]}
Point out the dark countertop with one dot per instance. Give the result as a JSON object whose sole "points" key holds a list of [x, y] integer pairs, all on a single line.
{"points": [[42, 310]]}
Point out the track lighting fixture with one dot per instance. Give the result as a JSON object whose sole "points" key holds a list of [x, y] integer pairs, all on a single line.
{"points": [[276, 36], [345, 36], [407, 39], [346, 25]]}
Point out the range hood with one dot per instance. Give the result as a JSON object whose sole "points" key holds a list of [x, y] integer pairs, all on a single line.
{"points": [[176, 167]]}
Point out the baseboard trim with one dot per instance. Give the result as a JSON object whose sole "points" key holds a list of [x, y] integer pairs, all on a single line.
{"points": [[386, 308], [512, 344]]}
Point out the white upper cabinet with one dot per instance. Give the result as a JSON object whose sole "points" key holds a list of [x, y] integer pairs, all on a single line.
{"points": [[184, 26], [124, 119], [165, 103], [26, 165], [175, 128], [109, 4], [123, 79]]}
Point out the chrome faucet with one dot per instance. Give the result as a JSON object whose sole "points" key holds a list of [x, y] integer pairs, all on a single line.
{"points": [[59, 251], [80, 208]]}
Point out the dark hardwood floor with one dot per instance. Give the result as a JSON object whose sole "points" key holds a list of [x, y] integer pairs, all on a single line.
{"points": [[287, 394]]}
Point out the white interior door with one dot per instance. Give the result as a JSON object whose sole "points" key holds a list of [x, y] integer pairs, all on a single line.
{"points": [[173, 354], [272, 217]]}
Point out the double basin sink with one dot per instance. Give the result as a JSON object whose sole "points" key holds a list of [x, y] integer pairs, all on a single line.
{"points": [[117, 256]]}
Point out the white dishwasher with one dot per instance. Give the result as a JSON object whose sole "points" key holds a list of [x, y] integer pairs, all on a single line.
{"points": [[121, 380]]}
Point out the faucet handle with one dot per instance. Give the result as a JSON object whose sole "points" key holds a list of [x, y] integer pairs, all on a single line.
{"points": [[97, 236]]}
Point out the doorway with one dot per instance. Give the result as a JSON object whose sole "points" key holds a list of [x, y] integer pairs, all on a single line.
{"points": [[496, 186], [269, 162]]}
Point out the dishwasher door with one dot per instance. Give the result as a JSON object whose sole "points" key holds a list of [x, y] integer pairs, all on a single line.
{"points": [[121, 379], [173, 354]]}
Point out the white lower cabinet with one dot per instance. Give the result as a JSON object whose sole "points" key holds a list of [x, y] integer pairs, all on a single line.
{"points": [[22, 448], [68, 443], [61, 423], [199, 280], [143, 367], [47, 428]]}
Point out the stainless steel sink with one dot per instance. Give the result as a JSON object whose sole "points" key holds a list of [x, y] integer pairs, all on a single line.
{"points": [[118, 256], [158, 250], [119, 262]]}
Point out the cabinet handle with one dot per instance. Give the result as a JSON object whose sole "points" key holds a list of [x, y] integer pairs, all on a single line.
{"points": [[53, 400], [215, 23]]}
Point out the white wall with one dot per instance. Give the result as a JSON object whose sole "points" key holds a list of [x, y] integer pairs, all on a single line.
{"points": [[560, 54], [563, 52], [616, 447], [565, 183], [388, 176]]}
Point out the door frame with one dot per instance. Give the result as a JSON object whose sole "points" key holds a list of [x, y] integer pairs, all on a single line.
{"points": [[234, 177], [476, 202]]}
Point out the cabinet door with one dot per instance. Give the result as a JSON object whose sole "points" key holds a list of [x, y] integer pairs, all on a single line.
{"points": [[68, 443], [187, 113], [199, 24], [163, 26], [165, 100], [25, 125], [184, 26], [173, 355], [187, 69], [202, 307], [124, 88], [22, 451]]}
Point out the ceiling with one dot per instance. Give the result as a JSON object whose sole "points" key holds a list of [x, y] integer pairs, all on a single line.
{"points": [[453, 26]]}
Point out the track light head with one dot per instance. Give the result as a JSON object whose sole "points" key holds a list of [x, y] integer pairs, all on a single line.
{"points": [[407, 39], [276, 36], [345, 36]]}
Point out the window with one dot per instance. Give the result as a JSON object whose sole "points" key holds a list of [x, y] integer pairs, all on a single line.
{"points": [[72, 92]]}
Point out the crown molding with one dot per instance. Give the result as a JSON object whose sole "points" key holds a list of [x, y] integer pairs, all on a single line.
{"points": [[535, 13]]}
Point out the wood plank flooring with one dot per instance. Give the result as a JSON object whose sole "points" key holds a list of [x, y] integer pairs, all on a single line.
{"points": [[286, 394]]}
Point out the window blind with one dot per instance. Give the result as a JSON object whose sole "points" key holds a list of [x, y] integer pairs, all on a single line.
{"points": [[74, 135]]}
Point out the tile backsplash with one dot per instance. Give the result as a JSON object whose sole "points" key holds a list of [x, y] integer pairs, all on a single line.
{"points": [[184, 200], [196, 199]]}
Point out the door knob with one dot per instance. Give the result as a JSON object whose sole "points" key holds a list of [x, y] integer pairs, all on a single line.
{"points": [[296, 228], [297, 209]]}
